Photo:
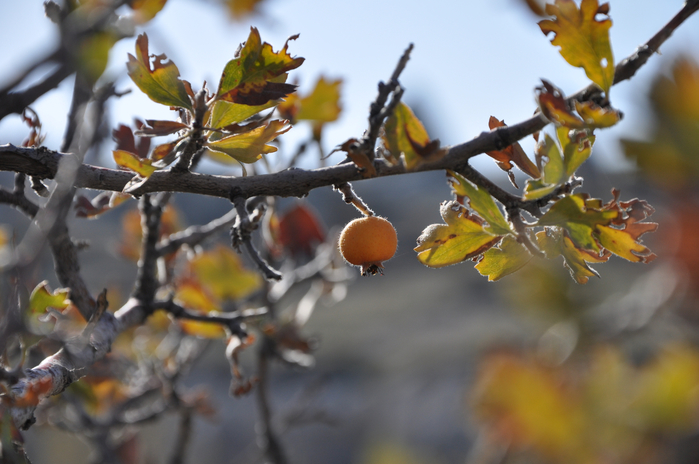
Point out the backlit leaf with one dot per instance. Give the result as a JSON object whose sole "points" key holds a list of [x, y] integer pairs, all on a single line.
{"points": [[508, 257], [463, 237], [158, 79], [42, 298], [134, 163], [596, 116], [555, 243], [512, 154], [405, 135], [125, 140], [249, 77], [248, 147], [191, 295], [225, 113], [622, 237], [575, 214], [582, 38], [481, 202]]}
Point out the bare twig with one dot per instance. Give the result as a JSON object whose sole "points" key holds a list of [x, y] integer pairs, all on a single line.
{"points": [[230, 320], [195, 235], [378, 111], [241, 235]]}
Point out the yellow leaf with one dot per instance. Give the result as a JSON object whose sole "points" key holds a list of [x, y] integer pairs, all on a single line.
{"points": [[134, 163], [583, 40], [463, 237], [248, 147], [93, 54], [322, 104], [239, 9], [596, 116]]}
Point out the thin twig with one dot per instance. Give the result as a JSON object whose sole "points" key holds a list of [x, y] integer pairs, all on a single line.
{"points": [[241, 235], [194, 235], [268, 440], [230, 320]]}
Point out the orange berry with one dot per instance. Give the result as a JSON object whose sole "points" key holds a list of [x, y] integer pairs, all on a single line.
{"points": [[367, 242]]}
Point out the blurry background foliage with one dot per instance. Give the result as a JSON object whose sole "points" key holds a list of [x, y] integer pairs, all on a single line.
{"points": [[545, 370]]}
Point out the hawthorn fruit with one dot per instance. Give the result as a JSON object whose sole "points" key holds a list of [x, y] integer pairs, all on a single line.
{"points": [[367, 242]]}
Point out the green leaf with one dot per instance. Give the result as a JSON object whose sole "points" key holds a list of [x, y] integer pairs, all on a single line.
{"points": [[248, 147], [42, 298], [134, 163], [574, 214], [553, 170], [508, 257], [249, 77], [463, 237], [575, 152], [225, 113], [554, 242], [481, 202], [161, 82]]}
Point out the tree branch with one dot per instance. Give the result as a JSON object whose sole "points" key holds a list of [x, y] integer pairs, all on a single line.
{"points": [[194, 235]]}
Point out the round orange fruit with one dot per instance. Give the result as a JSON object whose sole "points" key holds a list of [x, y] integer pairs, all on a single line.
{"points": [[368, 242]]}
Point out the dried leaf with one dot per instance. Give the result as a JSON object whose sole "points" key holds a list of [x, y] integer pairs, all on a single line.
{"points": [[582, 38], [512, 154], [159, 128]]}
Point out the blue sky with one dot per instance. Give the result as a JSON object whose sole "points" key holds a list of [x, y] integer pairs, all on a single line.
{"points": [[472, 59]]}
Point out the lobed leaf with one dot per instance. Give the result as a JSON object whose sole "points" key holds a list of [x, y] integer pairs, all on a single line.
{"points": [[508, 257], [582, 38], [159, 80], [481, 202], [555, 242], [555, 107], [578, 216], [463, 237], [249, 77]]}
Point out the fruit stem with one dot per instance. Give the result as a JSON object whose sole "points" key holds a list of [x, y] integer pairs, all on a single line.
{"points": [[348, 196]]}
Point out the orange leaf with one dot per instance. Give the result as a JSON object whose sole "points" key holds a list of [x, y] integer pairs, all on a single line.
{"points": [[512, 154]]}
